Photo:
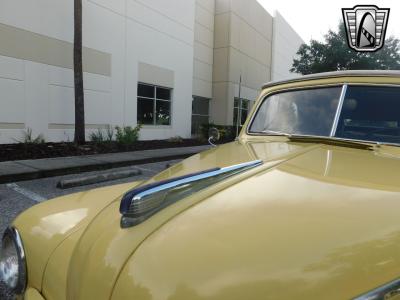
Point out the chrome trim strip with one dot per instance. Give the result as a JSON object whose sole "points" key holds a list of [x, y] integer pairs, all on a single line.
{"points": [[384, 292], [191, 179], [338, 110], [135, 210]]}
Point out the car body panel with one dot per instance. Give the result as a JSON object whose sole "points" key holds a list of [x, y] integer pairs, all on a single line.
{"points": [[312, 227], [105, 247], [32, 294], [315, 221], [56, 273], [44, 227]]}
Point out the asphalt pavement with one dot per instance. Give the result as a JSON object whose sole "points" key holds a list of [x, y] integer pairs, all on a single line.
{"points": [[16, 197]]}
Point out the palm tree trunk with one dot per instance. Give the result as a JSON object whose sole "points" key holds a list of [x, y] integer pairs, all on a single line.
{"points": [[78, 75]]}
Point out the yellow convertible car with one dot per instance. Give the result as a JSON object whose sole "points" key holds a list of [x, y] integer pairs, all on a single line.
{"points": [[304, 205]]}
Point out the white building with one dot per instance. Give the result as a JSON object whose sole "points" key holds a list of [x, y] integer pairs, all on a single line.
{"points": [[145, 61]]}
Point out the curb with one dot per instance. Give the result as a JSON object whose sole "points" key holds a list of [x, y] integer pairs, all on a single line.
{"points": [[9, 178], [70, 183]]}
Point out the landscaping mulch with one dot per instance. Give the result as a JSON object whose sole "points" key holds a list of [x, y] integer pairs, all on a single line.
{"points": [[47, 150]]}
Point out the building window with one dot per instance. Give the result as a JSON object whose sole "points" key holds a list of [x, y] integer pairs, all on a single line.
{"points": [[200, 113], [153, 105], [243, 112]]}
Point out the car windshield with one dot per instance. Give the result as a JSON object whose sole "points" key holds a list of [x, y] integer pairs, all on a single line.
{"points": [[366, 113]]}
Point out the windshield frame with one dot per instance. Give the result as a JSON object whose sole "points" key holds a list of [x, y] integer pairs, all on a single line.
{"points": [[335, 123]]}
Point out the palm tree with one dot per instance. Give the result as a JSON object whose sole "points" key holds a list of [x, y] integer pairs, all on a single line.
{"points": [[78, 75]]}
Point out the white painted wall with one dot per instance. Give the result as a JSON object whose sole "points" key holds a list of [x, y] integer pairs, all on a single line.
{"points": [[203, 56], [41, 96], [243, 37], [207, 44], [285, 44]]}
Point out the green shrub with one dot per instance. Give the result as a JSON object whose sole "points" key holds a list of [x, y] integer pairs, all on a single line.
{"points": [[109, 133], [102, 135], [27, 138], [127, 135], [175, 139], [228, 133], [97, 136]]}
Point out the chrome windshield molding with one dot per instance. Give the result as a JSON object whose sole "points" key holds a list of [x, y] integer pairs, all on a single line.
{"points": [[385, 292], [141, 203], [339, 110]]}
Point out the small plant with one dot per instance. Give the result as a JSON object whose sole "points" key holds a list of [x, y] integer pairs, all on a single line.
{"points": [[109, 133], [27, 138], [228, 133], [127, 135], [97, 136], [175, 139]]}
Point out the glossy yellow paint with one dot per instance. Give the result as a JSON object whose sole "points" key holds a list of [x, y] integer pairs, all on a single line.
{"points": [[299, 230], [32, 294], [45, 226], [313, 222]]}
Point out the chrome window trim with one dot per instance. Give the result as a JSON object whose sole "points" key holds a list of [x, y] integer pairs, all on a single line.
{"points": [[338, 110]]}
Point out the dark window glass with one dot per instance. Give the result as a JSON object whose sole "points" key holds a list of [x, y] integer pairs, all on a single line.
{"points": [[197, 122], [150, 110], [244, 116], [308, 112], [164, 94], [145, 111], [235, 114], [371, 114], [243, 111], [245, 104], [200, 113], [163, 113], [201, 106], [145, 90]]}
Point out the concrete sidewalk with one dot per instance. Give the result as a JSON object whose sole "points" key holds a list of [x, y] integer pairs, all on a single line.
{"points": [[12, 171]]}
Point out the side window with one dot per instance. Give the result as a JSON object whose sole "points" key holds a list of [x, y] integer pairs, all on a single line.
{"points": [[370, 113]]}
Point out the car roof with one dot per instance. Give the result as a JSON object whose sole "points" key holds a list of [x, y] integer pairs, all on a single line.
{"points": [[337, 74]]}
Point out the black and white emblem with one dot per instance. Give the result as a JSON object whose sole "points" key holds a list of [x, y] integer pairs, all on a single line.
{"points": [[365, 27]]}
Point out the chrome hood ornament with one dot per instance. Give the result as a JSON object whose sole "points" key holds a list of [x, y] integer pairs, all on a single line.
{"points": [[141, 203]]}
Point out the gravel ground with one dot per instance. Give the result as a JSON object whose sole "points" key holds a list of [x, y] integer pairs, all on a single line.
{"points": [[13, 202]]}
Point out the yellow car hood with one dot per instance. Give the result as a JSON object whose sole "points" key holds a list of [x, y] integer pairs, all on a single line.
{"points": [[321, 225], [47, 225], [314, 222]]}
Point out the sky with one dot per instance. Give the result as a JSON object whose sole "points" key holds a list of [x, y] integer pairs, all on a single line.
{"points": [[313, 18]]}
